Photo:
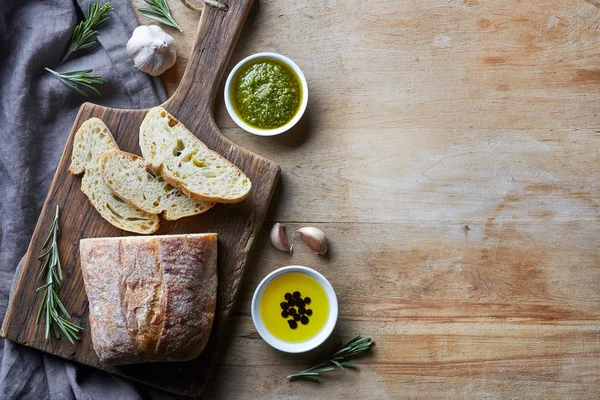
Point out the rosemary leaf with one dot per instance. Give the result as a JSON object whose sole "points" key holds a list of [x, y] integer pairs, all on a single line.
{"points": [[85, 30], [159, 11], [47, 333], [158, 18], [339, 359], [51, 306], [83, 78], [60, 305], [43, 287], [49, 236], [39, 314], [337, 364], [72, 87], [319, 370], [44, 254]]}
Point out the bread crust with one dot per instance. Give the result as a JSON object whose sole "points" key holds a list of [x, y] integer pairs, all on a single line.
{"points": [[133, 158], [102, 163], [158, 167], [91, 140], [150, 298]]}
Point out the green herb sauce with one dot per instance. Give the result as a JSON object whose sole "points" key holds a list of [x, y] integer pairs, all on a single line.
{"points": [[267, 95]]}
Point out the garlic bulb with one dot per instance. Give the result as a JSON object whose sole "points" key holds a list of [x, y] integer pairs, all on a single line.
{"points": [[152, 49]]}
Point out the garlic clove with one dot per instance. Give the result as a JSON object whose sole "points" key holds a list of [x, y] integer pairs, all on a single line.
{"points": [[152, 49], [314, 238], [278, 238]]}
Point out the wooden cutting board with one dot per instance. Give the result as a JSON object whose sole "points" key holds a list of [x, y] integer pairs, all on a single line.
{"points": [[237, 225]]}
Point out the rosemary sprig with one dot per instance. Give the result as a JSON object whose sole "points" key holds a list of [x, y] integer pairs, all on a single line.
{"points": [[81, 77], [338, 359], [159, 11], [85, 30], [51, 305]]}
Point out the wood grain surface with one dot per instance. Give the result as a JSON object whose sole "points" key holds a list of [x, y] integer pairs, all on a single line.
{"points": [[451, 152], [236, 225]]}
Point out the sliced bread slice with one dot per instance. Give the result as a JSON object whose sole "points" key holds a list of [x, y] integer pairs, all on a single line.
{"points": [[126, 175], [91, 140], [184, 161]]}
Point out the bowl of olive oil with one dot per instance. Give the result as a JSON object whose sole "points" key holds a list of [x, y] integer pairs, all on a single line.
{"points": [[266, 94], [294, 309]]}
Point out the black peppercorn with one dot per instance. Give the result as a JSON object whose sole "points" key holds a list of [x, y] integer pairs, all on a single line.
{"points": [[307, 300], [293, 324], [299, 302], [304, 320], [288, 296], [292, 311], [296, 317], [296, 294], [302, 310], [309, 312], [284, 305], [284, 314]]}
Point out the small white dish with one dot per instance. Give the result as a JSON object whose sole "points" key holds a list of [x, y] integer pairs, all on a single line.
{"points": [[231, 79], [315, 341]]}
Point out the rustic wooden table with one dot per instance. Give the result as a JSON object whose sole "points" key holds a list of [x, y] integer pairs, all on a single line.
{"points": [[451, 152]]}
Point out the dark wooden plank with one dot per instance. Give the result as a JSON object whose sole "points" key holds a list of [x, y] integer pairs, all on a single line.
{"points": [[236, 224]]}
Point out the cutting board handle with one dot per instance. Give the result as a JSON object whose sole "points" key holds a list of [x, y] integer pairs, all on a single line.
{"points": [[216, 37]]}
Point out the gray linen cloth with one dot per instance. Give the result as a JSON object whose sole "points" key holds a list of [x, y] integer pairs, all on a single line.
{"points": [[36, 115]]}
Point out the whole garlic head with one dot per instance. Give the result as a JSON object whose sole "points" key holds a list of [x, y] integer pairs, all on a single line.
{"points": [[152, 49]]}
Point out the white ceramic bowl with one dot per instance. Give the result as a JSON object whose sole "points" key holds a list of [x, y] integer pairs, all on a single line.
{"points": [[229, 101], [311, 343]]}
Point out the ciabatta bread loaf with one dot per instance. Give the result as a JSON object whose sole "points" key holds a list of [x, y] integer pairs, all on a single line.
{"points": [[128, 178], [184, 161], [150, 298], [91, 140]]}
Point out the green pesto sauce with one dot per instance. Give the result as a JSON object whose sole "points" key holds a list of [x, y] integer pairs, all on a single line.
{"points": [[267, 95]]}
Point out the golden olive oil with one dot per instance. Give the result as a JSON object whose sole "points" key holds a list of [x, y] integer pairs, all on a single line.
{"points": [[271, 308]]}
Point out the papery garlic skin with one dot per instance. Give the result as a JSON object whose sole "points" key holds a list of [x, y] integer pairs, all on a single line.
{"points": [[315, 239], [278, 238], [152, 49]]}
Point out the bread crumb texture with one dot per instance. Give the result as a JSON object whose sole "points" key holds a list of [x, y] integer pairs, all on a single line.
{"points": [[127, 176], [91, 140], [186, 162]]}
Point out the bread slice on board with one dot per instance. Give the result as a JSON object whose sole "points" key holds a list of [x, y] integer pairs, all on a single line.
{"points": [[184, 161], [91, 140], [126, 175], [150, 298]]}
